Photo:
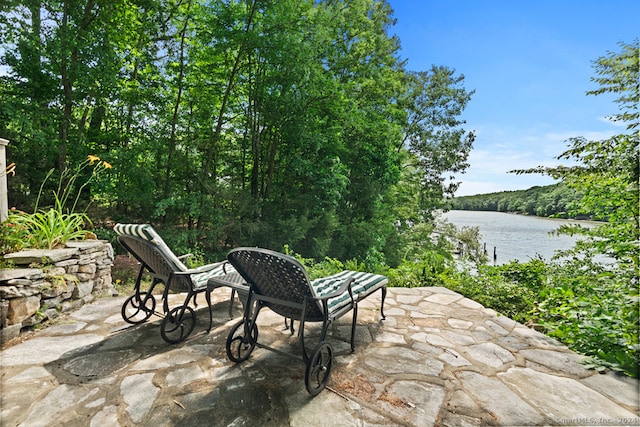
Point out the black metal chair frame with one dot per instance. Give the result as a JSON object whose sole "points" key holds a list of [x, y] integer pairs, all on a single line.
{"points": [[281, 283], [177, 322]]}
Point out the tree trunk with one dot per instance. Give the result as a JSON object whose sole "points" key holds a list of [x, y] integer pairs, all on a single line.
{"points": [[176, 108], [67, 71], [221, 114]]}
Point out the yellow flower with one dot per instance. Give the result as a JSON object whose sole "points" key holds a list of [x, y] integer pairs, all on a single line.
{"points": [[107, 165], [92, 158]]}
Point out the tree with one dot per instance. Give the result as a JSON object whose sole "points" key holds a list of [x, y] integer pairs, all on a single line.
{"points": [[435, 101], [594, 305], [64, 65], [233, 122], [607, 175]]}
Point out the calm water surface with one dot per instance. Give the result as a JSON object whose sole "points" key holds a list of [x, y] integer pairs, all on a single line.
{"points": [[516, 237]]}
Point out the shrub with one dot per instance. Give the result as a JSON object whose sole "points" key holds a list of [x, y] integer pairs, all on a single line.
{"points": [[12, 236], [497, 288], [48, 228], [124, 272], [595, 312], [591, 308]]}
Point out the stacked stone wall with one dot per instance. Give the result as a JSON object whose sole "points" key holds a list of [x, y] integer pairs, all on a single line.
{"points": [[45, 283]]}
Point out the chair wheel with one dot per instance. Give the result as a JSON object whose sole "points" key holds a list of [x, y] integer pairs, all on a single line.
{"points": [[138, 308], [318, 369], [238, 347], [178, 324]]}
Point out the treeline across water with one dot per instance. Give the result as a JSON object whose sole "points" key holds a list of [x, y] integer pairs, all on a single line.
{"points": [[557, 200]]}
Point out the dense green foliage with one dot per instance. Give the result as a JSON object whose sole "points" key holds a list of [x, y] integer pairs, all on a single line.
{"points": [[511, 289], [556, 200], [593, 309], [244, 122]]}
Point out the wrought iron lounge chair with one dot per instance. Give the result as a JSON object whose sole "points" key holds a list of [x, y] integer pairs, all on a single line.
{"points": [[163, 266], [281, 283]]}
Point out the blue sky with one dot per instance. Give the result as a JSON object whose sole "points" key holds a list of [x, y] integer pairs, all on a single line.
{"points": [[530, 63]]}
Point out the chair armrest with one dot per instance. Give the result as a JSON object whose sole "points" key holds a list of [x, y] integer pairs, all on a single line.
{"points": [[345, 286], [185, 257]]}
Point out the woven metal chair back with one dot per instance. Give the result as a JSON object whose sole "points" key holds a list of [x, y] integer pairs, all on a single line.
{"points": [[278, 276], [156, 261]]}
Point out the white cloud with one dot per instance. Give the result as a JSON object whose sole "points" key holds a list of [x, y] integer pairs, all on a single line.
{"points": [[608, 120], [500, 150]]}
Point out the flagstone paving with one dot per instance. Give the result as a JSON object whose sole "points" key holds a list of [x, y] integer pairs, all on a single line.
{"points": [[438, 359]]}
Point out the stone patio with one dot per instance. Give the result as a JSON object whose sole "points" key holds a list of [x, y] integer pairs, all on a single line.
{"points": [[438, 359]]}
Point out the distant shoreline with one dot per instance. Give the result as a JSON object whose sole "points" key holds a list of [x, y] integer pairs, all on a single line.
{"points": [[585, 218]]}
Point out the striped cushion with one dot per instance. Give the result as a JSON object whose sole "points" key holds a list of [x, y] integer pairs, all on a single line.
{"points": [[200, 279], [364, 284], [146, 232]]}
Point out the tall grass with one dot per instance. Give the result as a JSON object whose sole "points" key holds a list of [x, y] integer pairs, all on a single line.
{"points": [[47, 229], [50, 227]]}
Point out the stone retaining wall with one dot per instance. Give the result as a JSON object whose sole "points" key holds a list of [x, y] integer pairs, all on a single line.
{"points": [[46, 283]]}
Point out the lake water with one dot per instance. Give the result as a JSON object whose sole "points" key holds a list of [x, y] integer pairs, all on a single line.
{"points": [[516, 237]]}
